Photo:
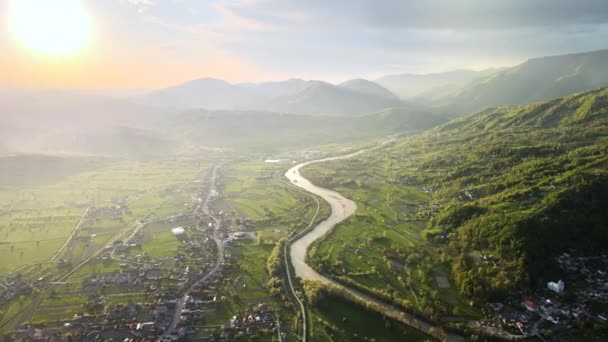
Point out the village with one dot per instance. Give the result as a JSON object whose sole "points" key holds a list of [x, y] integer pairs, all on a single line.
{"points": [[165, 281], [169, 293], [580, 300]]}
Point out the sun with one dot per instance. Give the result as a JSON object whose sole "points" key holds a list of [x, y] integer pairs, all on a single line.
{"points": [[53, 28]]}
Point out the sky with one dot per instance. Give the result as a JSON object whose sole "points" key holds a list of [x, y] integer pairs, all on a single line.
{"points": [[156, 43]]}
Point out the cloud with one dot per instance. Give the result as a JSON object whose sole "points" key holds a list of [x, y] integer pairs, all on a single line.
{"points": [[142, 5], [462, 14], [231, 19], [335, 38]]}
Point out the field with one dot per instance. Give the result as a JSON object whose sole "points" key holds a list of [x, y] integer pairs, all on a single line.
{"points": [[141, 201], [40, 217], [254, 198], [380, 249], [335, 319], [49, 225], [32, 236]]}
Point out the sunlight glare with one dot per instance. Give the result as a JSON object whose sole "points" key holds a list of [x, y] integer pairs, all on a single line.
{"points": [[51, 28]]}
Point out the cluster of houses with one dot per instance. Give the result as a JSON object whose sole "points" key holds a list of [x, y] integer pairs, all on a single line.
{"points": [[175, 300], [14, 285], [591, 273], [558, 307], [151, 320], [114, 212], [229, 238], [260, 318]]}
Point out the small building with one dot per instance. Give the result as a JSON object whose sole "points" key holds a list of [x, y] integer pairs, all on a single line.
{"points": [[178, 231], [556, 287]]}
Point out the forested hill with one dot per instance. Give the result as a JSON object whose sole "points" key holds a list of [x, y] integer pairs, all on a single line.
{"points": [[537, 79], [521, 183]]}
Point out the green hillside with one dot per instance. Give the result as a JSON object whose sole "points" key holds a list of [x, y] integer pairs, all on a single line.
{"points": [[269, 131], [519, 183], [534, 80]]}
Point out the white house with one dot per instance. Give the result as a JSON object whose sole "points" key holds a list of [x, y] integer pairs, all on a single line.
{"points": [[178, 231], [556, 287]]}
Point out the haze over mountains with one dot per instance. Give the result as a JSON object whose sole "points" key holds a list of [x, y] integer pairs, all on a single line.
{"points": [[216, 113], [292, 96], [415, 85], [455, 92], [534, 80]]}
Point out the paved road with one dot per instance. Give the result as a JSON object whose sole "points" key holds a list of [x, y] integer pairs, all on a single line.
{"points": [[204, 207], [341, 208]]}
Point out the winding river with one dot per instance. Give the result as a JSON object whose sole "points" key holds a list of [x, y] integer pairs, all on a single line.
{"points": [[342, 208]]}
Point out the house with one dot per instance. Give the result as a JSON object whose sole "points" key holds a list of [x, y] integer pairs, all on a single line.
{"points": [[178, 231], [161, 311], [529, 305], [556, 287]]}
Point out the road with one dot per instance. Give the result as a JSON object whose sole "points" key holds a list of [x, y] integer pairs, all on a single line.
{"points": [[204, 207], [342, 208], [27, 310], [67, 241], [288, 270]]}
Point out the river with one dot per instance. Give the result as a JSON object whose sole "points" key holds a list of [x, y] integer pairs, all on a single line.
{"points": [[342, 208]]}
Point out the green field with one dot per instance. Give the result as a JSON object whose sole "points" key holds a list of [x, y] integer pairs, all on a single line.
{"points": [[255, 198], [32, 236], [41, 215], [335, 319], [380, 249]]}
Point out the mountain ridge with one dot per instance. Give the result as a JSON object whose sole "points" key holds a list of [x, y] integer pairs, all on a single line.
{"points": [[536, 79], [294, 96]]}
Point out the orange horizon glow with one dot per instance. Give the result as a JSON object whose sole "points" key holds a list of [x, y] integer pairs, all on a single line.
{"points": [[63, 44]]}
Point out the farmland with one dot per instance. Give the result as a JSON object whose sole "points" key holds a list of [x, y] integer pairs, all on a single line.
{"points": [[380, 249], [255, 200], [336, 319], [51, 225]]}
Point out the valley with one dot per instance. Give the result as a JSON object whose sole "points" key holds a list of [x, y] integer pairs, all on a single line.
{"points": [[460, 205]]}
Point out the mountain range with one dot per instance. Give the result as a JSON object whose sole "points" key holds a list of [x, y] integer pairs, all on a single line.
{"points": [[411, 86], [534, 80], [216, 113], [293, 96], [451, 93]]}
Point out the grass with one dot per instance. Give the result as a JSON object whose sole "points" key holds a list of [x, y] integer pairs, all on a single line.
{"points": [[128, 298], [252, 189], [255, 191], [13, 308], [162, 243], [48, 211], [370, 249], [252, 264], [382, 221], [335, 319], [32, 236]]}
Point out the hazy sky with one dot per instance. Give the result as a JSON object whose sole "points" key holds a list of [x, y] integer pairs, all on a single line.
{"points": [[153, 43]]}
